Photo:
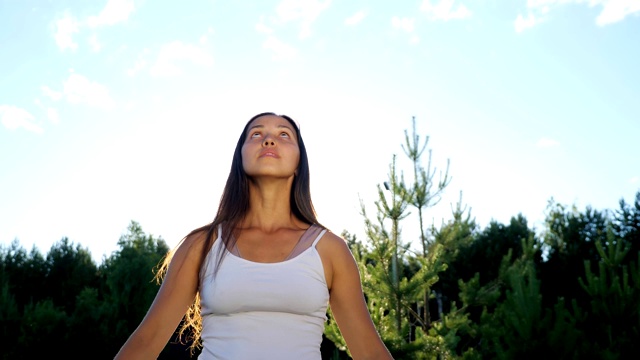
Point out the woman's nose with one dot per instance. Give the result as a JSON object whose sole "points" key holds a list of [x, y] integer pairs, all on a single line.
{"points": [[268, 141]]}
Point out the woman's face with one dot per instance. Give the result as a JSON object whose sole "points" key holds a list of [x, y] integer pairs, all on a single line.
{"points": [[270, 148]]}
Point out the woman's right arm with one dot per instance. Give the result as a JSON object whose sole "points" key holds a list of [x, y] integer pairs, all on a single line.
{"points": [[174, 297]]}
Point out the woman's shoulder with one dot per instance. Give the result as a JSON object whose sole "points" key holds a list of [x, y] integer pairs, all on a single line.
{"points": [[336, 256], [198, 235], [194, 241], [333, 244], [331, 237]]}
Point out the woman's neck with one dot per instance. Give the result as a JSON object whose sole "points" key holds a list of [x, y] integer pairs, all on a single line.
{"points": [[269, 207]]}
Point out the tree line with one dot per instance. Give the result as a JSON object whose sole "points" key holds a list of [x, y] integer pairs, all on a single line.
{"points": [[456, 291]]}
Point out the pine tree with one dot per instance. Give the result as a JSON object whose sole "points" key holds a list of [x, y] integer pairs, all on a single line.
{"points": [[613, 320], [395, 279], [423, 194]]}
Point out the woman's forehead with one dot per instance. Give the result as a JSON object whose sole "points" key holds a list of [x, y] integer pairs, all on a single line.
{"points": [[271, 120], [267, 119]]}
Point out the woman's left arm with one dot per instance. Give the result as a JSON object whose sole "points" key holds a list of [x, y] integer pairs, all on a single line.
{"points": [[347, 302]]}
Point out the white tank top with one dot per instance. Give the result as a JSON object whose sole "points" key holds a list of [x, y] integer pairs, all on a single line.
{"points": [[253, 311]]}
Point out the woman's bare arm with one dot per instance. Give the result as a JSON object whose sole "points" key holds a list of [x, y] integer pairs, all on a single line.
{"points": [[174, 297], [347, 302]]}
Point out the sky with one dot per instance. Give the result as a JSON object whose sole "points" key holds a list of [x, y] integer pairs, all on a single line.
{"points": [[115, 111]]}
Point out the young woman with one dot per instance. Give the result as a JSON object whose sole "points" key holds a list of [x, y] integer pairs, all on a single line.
{"points": [[255, 283]]}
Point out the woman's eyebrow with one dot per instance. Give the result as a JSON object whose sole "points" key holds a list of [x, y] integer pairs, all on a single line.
{"points": [[260, 126], [286, 127]]}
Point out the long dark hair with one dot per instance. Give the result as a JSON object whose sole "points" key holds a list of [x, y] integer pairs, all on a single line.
{"points": [[233, 207]]}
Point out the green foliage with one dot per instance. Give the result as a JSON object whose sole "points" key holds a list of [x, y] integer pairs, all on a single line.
{"points": [[425, 192], [602, 321], [42, 330], [614, 306], [397, 282], [87, 321], [518, 325], [627, 225], [452, 329], [63, 305], [10, 320], [474, 255], [25, 273], [129, 285], [69, 270], [457, 233], [569, 239]]}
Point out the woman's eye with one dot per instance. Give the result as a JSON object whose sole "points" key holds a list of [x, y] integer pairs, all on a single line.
{"points": [[284, 134], [255, 134]]}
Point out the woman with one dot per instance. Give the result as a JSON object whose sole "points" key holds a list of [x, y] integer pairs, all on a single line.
{"points": [[256, 282]]}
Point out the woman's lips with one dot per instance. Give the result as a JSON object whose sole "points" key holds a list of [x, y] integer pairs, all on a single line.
{"points": [[268, 153]]}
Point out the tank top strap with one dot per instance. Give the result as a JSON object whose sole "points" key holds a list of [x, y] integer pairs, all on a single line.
{"points": [[309, 238], [219, 235], [320, 235]]}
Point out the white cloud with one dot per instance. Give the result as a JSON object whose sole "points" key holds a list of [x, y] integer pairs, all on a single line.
{"points": [[521, 23], [54, 95], [405, 24], [616, 10], [205, 38], [634, 180], [114, 12], [53, 116], [140, 63], [538, 11], [547, 143], [65, 28], [355, 18], [262, 28], [612, 10], [77, 89], [445, 10], [94, 43], [14, 117], [176, 51], [544, 3], [303, 11], [281, 51]]}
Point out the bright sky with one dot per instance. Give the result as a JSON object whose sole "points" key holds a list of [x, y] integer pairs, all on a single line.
{"points": [[122, 110]]}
